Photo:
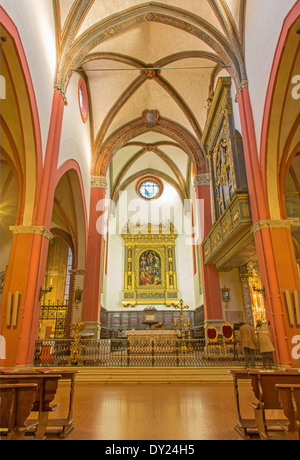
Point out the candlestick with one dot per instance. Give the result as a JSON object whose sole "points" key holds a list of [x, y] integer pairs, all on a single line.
{"points": [[182, 307]]}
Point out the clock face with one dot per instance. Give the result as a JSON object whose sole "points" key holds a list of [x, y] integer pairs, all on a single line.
{"points": [[149, 189]]}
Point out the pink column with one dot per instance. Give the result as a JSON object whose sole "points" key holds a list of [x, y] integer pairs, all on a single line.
{"points": [[28, 256], [210, 275], [272, 244], [95, 253]]}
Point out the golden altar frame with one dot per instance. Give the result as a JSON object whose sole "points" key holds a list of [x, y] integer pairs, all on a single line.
{"points": [[161, 242]]}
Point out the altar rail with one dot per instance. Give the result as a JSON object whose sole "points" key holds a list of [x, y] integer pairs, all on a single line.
{"points": [[125, 353]]}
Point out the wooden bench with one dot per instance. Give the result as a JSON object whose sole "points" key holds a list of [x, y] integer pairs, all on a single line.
{"points": [[264, 388], [289, 397], [62, 426], [47, 384], [245, 427], [15, 406]]}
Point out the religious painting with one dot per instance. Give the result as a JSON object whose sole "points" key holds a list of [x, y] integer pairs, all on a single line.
{"points": [[150, 266], [225, 295], [150, 269]]}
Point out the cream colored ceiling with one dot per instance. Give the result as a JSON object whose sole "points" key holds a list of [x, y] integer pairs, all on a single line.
{"points": [[110, 41]]}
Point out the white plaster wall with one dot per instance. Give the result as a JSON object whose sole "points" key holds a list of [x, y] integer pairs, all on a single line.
{"points": [[34, 20], [236, 113], [198, 297], [185, 271], [75, 138], [231, 280], [112, 300], [264, 21]]}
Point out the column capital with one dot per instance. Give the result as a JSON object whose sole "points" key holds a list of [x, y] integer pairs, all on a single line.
{"points": [[202, 180], [99, 182], [263, 224], [78, 271], [61, 91], [244, 84], [31, 229]]}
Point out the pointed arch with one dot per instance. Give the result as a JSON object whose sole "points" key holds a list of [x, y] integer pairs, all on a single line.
{"points": [[275, 139], [76, 183], [144, 14], [138, 127], [148, 172], [30, 160], [145, 149]]}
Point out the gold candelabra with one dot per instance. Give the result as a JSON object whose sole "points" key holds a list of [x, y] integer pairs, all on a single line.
{"points": [[175, 326], [188, 323], [182, 307]]}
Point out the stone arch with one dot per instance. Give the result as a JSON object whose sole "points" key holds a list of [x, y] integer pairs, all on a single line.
{"points": [[138, 127], [281, 122], [21, 140], [149, 172], [147, 13]]}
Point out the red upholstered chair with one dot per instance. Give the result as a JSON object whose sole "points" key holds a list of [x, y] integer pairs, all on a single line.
{"points": [[212, 336], [228, 339]]}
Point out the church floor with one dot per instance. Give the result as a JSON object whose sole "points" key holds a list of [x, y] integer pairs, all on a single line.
{"points": [[154, 411]]}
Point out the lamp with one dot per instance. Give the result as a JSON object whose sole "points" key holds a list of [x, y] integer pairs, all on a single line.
{"points": [[45, 291], [259, 291]]}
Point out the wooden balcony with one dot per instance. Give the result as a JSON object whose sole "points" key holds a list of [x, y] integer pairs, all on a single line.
{"points": [[230, 243]]}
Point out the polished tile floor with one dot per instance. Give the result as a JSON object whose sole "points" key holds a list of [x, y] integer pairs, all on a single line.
{"points": [[154, 411]]}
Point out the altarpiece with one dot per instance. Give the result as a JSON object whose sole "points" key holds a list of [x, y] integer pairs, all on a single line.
{"points": [[150, 267]]}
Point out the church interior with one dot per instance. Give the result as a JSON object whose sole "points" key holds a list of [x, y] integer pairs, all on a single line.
{"points": [[149, 210]]}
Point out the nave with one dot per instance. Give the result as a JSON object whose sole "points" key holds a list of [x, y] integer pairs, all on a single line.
{"points": [[153, 412], [150, 186]]}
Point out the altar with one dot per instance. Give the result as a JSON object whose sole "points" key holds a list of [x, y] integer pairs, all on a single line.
{"points": [[154, 347]]}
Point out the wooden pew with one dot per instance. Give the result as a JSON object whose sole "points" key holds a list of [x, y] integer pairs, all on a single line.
{"points": [[62, 426], [47, 384], [289, 397], [15, 406], [244, 427], [264, 388]]}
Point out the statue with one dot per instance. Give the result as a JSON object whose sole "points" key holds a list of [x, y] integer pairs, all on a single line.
{"points": [[75, 358]]}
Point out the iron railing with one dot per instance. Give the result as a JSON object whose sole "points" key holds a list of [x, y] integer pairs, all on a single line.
{"points": [[130, 353]]}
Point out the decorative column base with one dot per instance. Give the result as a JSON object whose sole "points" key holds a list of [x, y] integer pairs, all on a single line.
{"points": [[217, 323], [92, 327]]}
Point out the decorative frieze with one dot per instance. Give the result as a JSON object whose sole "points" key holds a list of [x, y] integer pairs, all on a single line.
{"points": [[31, 229], [78, 271], [201, 180], [236, 218], [244, 84], [263, 224], [61, 91], [99, 182]]}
